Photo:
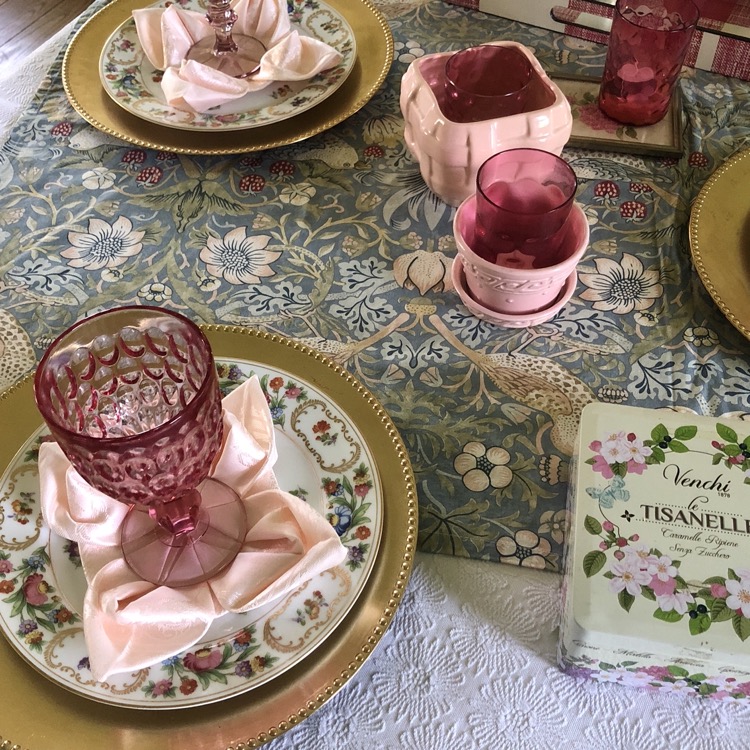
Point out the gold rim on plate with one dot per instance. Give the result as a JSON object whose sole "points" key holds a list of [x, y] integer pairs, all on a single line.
{"points": [[38, 714], [90, 100], [720, 239]]}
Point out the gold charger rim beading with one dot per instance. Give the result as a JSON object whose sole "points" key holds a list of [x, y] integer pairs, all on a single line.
{"points": [[87, 96], [253, 718], [716, 239]]}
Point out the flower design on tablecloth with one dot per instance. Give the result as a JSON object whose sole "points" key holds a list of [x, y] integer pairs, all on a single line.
{"points": [[701, 336], [424, 271], [555, 523], [98, 178], [524, 548], [482, 467], [239, 259], [621, 287], [104, 245]]}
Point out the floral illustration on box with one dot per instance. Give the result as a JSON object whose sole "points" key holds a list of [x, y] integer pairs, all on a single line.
{"points": [[671, 678], [36, 571], [635, 569]]}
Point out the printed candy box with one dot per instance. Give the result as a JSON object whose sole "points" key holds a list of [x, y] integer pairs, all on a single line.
{"points": [[657, 577]]}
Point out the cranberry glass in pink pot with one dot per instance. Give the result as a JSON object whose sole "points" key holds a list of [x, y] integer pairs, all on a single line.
{"points": [[524, 197], [647, 46], [485, 82], [132, 398], [514, 295]]}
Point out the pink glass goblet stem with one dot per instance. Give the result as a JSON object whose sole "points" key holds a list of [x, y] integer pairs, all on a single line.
{"points": [[236, 55], [132, 397]]}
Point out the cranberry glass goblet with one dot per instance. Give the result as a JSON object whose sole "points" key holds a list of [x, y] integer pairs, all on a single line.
{"points": [[132, 398], [236, 55]]}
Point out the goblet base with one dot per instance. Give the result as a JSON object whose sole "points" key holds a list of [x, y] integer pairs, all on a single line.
{"points": [[239, 64], [193, 556]]}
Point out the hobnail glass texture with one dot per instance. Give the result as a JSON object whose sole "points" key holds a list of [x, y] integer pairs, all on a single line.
{"points": [[132, 398]]}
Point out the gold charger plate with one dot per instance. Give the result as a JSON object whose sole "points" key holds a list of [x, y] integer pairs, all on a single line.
{"points": [[720, 239], [38, 715], [88, 97]]}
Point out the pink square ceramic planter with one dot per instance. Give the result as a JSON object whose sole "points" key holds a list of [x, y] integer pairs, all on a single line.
{"points": [[450, 153]]}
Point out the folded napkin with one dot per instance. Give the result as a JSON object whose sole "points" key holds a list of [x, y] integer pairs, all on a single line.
{"points": [[166, 35], [130, 623]]}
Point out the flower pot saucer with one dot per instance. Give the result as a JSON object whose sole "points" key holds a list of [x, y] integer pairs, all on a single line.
{"points": [[509, 320]]}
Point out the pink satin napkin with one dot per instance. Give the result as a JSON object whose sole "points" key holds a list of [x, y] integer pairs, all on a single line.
{"points": [[130, 623], [166, 35]]}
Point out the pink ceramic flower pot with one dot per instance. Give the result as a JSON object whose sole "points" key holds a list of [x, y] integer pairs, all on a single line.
{"points": [[514, 290], [450, 153]]}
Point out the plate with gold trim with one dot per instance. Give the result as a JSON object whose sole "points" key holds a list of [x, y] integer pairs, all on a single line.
{"points": [[374, 55], [322, 459], [279, 704], [134, 84], [720, 239]]}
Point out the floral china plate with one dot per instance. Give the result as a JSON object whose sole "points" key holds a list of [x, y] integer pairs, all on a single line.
{"points": [[323, 460], [135, 85]]}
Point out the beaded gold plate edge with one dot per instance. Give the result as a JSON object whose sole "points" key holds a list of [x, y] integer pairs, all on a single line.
{"points": [[720, 239], [37, 714], [87, 95]]}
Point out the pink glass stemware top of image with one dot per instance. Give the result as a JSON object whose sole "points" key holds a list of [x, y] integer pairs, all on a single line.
{"points": [[132, 398], [524, 197], [486, 82], [236, 55], [647, 47]]}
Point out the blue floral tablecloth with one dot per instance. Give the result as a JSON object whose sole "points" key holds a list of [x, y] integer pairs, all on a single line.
{"points": [[338, 243]]}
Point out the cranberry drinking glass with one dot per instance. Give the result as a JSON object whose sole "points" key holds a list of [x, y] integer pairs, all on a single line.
{"points": [[486, 82], [236, 55], [132, 398], [647, 46], [524, 198]]}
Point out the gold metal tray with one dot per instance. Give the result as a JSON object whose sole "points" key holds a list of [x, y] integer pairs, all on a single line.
{"points": [[720, 239], [37, 714], [86, 94]]}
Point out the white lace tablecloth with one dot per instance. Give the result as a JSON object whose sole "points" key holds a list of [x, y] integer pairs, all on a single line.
{"points": [[469, 661]]}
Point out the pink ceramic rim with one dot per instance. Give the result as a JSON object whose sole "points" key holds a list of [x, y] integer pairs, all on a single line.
{"points": [[546, 154], [690, 23], [513, 49], [208, 380], [538, 316], [463, 245]]}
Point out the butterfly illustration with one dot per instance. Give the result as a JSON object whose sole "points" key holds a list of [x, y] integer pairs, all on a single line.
{"points": [[613, 491]]}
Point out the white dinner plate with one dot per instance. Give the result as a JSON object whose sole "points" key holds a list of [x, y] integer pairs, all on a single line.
{"points": [[135, 85], [322, 458]]}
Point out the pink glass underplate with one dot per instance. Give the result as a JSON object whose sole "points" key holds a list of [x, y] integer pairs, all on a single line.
{"points": [[132, 398], [515, 290], [236, 55]]}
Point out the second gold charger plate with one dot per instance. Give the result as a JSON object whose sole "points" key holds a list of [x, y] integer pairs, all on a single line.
{"points": [[68, 721], [374, 43], [720, 239]]}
